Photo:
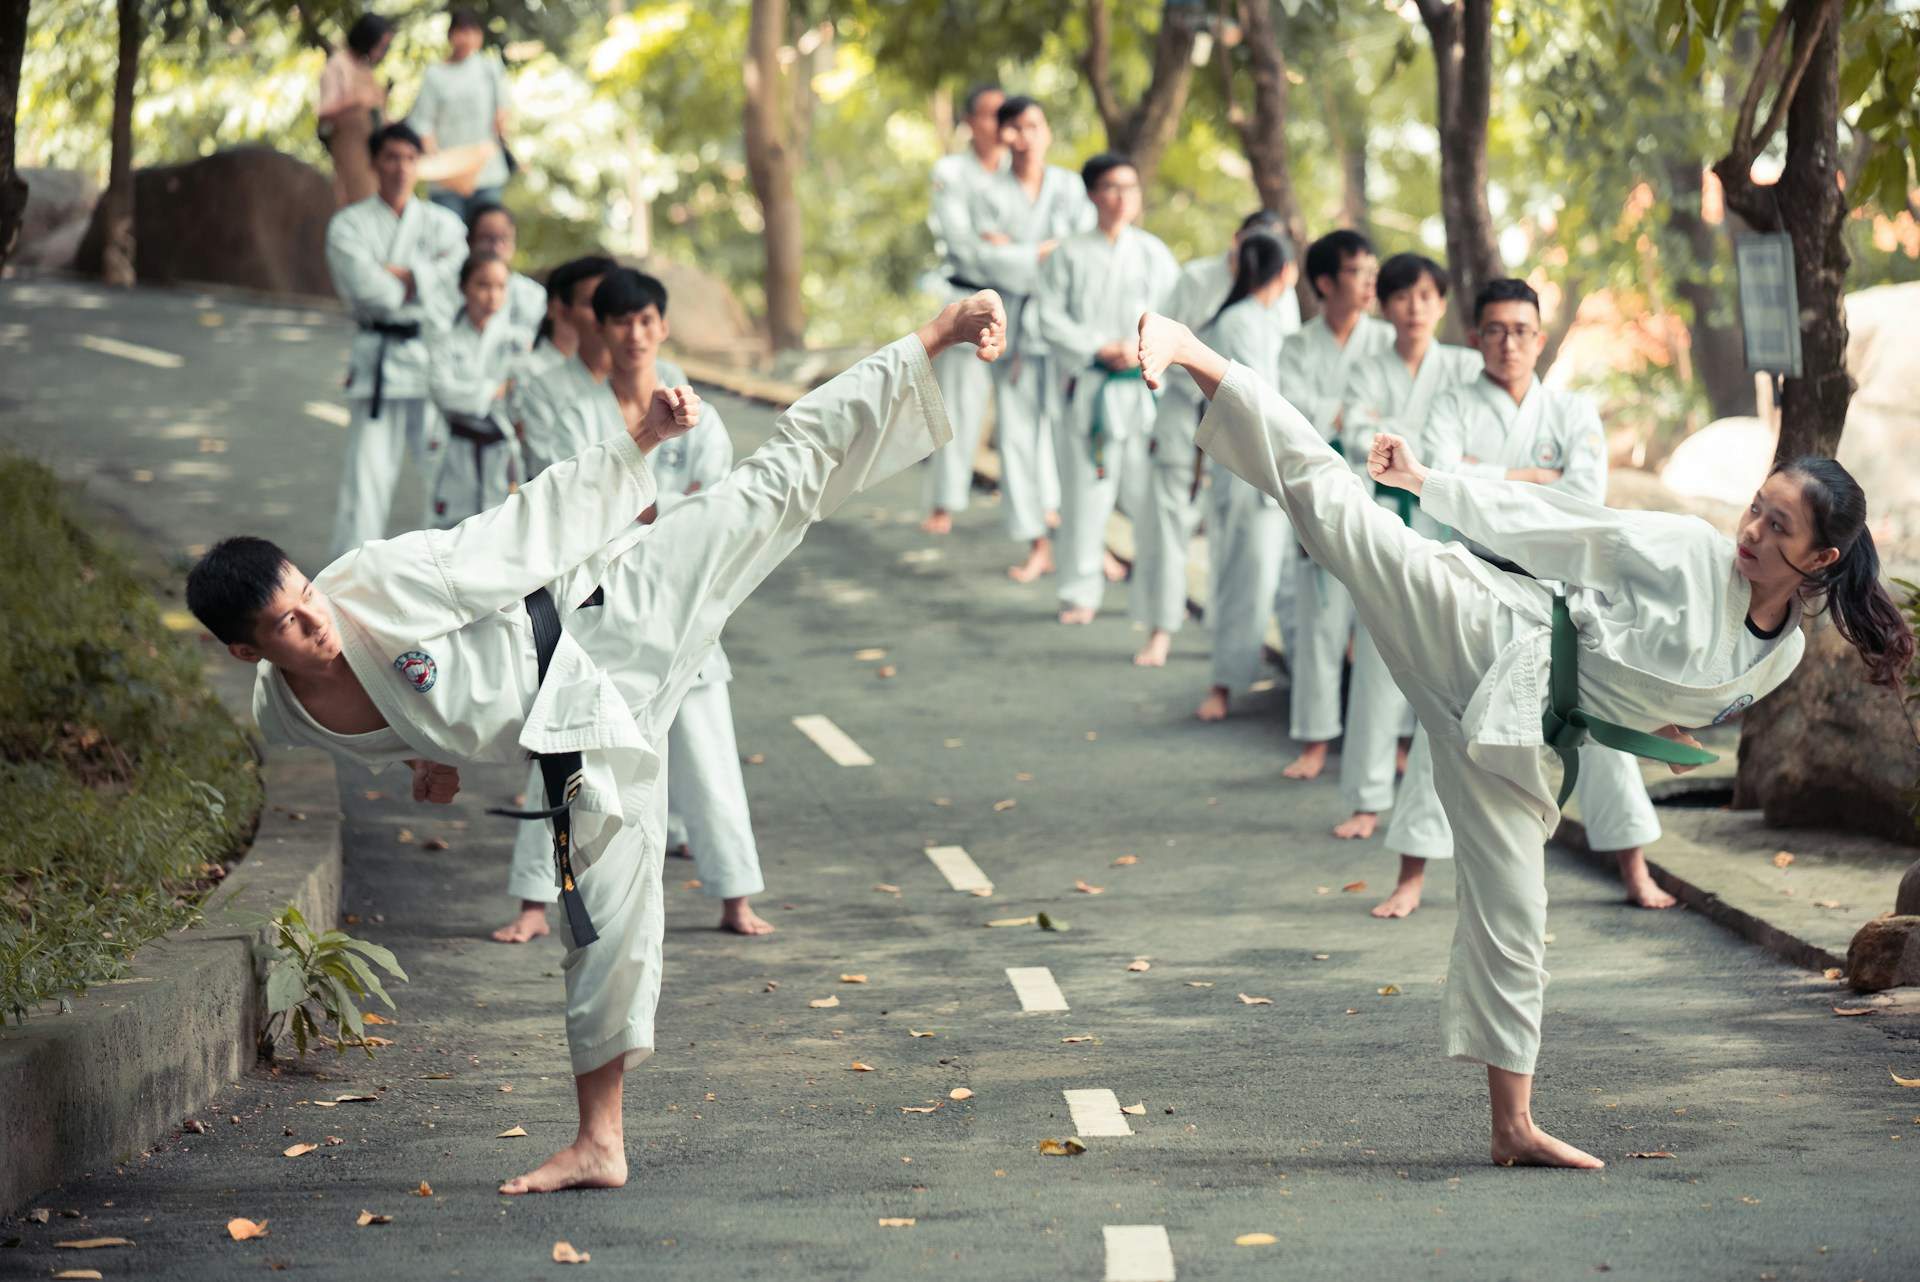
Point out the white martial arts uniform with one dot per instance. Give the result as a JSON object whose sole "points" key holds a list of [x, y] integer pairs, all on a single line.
{"points": [[467, 368], [1661, 610], [526, 302], [1174, 502], [1552, 429], [363, 240], [1249, 539], [1092, 292], [965, 381], [1383, 397], [433, 626], [552, 426], [1026, 387], [1314, 366]]}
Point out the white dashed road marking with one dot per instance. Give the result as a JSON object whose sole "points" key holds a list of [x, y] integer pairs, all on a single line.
{"points": [[327, 412], [1035, 988], [1096, 1113], [832, 740], [131, 351], [1138, 1253], [957, 866]]}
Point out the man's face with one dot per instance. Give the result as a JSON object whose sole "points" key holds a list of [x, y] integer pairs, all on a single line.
{"points": [[1027, 133], [493, 234], [1352, 289], [395, 167], [485, 292], [984, 122], [294, 630], [1117, 196], [580, 313], [464, 42], [1510, 340], [1415, 311], [633, 339]]}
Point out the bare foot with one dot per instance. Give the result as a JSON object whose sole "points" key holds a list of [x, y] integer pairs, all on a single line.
{"points": [[1642, 890], [1401, 903], [580, 1165], [1532, 1146], [737, 915], [1154, 653], [1162, 341], [939, 521], [1214, 706], [1053, 518], [1075, 615], [530, 923], [1308, 765], [679, 852], [1114, 568], [1357, 827], [1039, 561]]}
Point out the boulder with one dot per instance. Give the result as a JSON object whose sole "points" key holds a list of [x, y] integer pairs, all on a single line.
{"points": [[707, 319], [1885, 953], [59, 204], [248, 217], [1828, 749], [1906, 901], [1636, 489]]}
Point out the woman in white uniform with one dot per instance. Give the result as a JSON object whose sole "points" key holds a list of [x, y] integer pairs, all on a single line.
{"points": [[1666, 623], [470, 376]]}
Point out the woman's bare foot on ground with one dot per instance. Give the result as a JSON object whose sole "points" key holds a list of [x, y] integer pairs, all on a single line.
{"points": [[1642, 890], [1357, 827], [737, 915], [1114, 568], [1075, 615], [939, 521], [1308, 765], [1214, 706], [1154, 653], [1531, 1146], [580, 1165], [1039, 561], [531, 923]]}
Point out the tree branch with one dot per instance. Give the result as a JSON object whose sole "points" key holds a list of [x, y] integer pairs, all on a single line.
{"points": [[1807, 42], [1098, 64], [1742, 143]]}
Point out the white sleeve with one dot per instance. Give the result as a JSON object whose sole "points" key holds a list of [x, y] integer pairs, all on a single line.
{"points": [[1295, 381], [1069, 340], [359, 277], [424, 117], [1583, 473], [1445, 440], [952, 218], [456, 385]]}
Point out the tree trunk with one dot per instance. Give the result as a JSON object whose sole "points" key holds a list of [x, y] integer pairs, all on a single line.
{"points": [[771, 162], [13, 190], [1462, 33], [1346, 117], [1143, 131], [116, 255], [1719, 351], [1263, 134]]}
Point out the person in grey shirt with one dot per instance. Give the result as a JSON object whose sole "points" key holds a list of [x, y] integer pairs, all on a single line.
{"points": [[463, 101]]}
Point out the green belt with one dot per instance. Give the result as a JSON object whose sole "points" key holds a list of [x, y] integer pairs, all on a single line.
{"points": [[1567, 727], [1097, 432]]}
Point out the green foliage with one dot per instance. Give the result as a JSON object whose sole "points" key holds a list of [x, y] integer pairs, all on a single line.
{"points": [[124, 785], [316, 980]]}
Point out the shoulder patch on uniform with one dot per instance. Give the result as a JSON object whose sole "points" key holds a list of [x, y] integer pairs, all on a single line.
{"points": [[419, 670], [1734, 709]]}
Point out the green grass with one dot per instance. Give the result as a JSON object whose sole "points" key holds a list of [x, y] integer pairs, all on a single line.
{"points": [[124, 785]]}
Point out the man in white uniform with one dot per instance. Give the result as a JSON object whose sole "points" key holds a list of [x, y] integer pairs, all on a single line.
{"points": [[964, 382], [1314, 366], [395, 261], [491, 230], [1506, 424], [1021, 216], [556, 342], [463, 103], [1161, 541], [1093, 291], [547, 437], [439, 646]]}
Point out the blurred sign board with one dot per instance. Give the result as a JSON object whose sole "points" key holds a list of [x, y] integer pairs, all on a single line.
{"points": [[1769, 303]]}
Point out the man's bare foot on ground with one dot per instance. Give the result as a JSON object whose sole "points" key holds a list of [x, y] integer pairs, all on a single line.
{"points": [[1075, 615], [580, 1165], [1308, 765], [1214, 706], [1114, 568], [1357, 827], [1401, 903], [737, 915], [1154, 653], [531, 923], [939, 521], [1531, 1146], [1039, 561], [1642, 890]]}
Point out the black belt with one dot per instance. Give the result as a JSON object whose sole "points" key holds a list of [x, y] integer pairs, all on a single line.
{"points": [[388, 331], [481, 431], [561, 773], [961, 282], [1501, 563]]}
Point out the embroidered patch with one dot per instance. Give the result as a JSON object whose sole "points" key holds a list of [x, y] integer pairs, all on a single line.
{"points": [[1734, 709], [1548, 455], [418, 667]]}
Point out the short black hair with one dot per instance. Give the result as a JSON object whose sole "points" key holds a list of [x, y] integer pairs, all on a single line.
{"points": [[1102, 165], [625, 292], [366, 33], [1261, 220], [562, 280], [1013, 107], [232, 583], [463, 17], [481, 210], [1403, 271], [475, 262], [1504, 289], [398, 131], [975, 94], [1326, 256]]}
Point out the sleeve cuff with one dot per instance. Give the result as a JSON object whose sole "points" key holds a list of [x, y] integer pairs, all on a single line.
{"points": [[1440, 495], [1228, 398], [636, 464], [927, 388]]}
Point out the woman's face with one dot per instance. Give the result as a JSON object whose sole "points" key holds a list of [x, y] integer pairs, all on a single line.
{"points": [[1776, 539], [485, 292]]}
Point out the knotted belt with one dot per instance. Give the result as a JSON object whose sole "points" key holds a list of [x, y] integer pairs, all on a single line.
{"points": [[1097, 430], [388, 331], [561, 773], [1567, 726]]}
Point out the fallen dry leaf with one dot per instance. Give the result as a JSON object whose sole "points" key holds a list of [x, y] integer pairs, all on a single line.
{"points": [[1003, 805], [1659, 1152], [1022, 776], [563, 1253], [1826, 903], [1068, 1147], [368, 1217], [869, 655], [506, 1088], [930, 1108], [1092, 735], [886, 889], [1390, 990], [404, 836], [1139, 964], [886, 670], [1353, 887], [1126, 861], [369, 1040], [299, 1150], [853, 979], [1903, 1081], [433, 843], [981, 892], [1075, 1041], [898, 1222], [372, 1017], [512, 1133], [321, 1103], [1135, 1110], [757, 759], [1853, 1010], [858, 1067], [1322, 956], [1832, 972], [1255, 1001], [772, 984], [425, 1190], [79, 1275], [333, 1140], [1255, 1239], [692, 883], [436, 1077], [959, 1092], [1323, 890], [95, 1243], [1045, 922], [1782, 859], [241, 1230], [951, 743], [356, 1099], [1199, 983], [943, 801], [824, 1003], [1015, 921], [914, 1032], [373, 796], [39, 1215]]}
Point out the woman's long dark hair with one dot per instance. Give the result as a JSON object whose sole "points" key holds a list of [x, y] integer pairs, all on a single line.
{"points": [[1259, 259], [1863, 611]]}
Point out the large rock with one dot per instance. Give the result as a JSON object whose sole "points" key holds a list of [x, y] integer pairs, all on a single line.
{"points": [[1884, 954], [59, 204], [1830, 750], [707, 319], [248, 217]]}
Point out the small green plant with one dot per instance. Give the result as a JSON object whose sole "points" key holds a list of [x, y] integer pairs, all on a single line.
{"points": [[316, 980]]}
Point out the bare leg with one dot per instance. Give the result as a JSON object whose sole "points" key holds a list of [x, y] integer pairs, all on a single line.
{"points": [[597, 1158], [1308, 765], [737, 915], [1642, 890], [1357, 826], [1400, 756], [1039, 561], [1214, 706], [529, 923], [1154, 653], [1517, 1141], [1406, 894], [939, 521]]}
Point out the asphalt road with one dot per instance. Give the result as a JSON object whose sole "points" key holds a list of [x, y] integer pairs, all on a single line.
{"points": [[1326, 1119]]}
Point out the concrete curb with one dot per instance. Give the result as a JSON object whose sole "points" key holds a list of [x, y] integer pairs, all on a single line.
{"points": [[98, 1085]]}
